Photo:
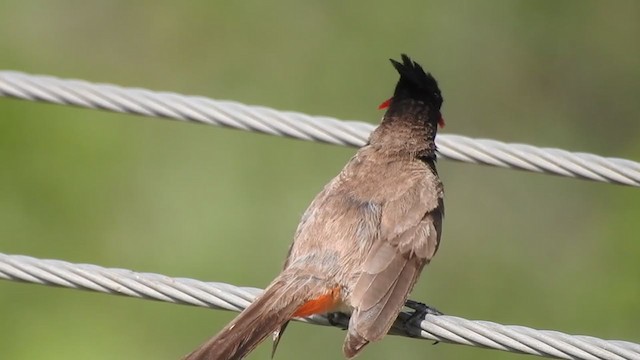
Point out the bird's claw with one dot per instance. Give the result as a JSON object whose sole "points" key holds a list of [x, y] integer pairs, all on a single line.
{"points": [[338, 319], [420, 310]]}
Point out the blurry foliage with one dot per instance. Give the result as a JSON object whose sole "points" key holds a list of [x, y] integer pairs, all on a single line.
{"points": [[222, 205]]}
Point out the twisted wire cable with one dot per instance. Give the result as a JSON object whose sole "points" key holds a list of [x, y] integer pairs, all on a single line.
{"points": [[215, 295], [313, 128]]}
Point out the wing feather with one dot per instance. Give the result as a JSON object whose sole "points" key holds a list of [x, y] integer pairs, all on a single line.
{"points": [[410, 232]]}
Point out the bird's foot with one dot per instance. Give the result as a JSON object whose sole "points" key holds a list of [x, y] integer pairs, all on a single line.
{"points": [[338, 319], [420, 310]]}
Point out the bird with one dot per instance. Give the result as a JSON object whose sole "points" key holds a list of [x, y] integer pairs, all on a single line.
{"points": [[365, 238]]}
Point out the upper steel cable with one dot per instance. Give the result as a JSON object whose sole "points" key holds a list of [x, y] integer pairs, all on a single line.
{"points": [[301, 126]]}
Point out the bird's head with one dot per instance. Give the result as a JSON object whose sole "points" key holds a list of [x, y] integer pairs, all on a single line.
{"points": [[415, 88]]}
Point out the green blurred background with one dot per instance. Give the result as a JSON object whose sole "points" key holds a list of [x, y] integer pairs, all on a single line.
{"points": [[221, 205]]}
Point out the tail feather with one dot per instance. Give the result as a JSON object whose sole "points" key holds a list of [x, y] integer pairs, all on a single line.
{"points": [[264, 316]]}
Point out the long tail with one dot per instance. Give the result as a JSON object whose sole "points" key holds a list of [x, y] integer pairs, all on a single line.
{"points": [[265, 315]]}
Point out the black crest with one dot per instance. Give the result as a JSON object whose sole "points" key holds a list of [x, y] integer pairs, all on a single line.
{"points": [[415, 84]]}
